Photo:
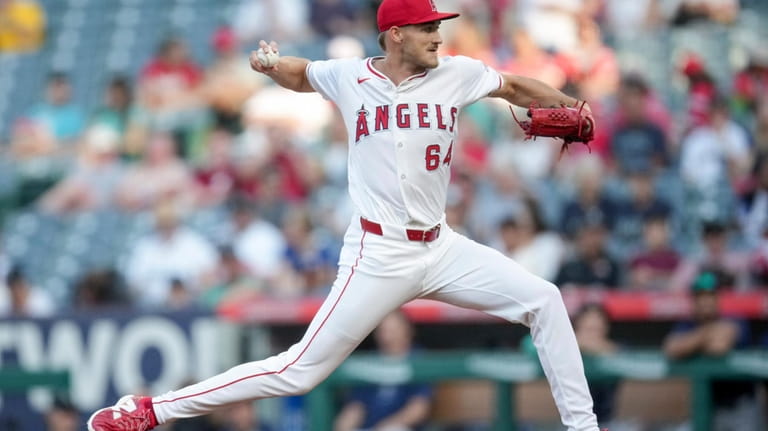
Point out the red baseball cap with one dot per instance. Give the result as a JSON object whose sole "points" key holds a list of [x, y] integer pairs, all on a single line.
{"points": [[404, 12]]}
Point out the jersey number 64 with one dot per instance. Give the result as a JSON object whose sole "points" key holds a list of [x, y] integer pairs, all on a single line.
{"points": [[433, 156]]}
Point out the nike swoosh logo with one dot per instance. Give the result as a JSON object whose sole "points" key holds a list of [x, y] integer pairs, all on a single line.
{"points": [[361, 80]]}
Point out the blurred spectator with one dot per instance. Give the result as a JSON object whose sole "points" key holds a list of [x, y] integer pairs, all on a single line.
{"points": [[62, 116], [5, 261], [591, 204], [170, 92], [334, 155], [592, 327], [591, 65], [528, 59], [329, 18], [591, 266], [753, 210], [171, 252], [729, 267], [92, 183], [709, 333], [760, 131], [459, 202], [252, 156], [256, 242], [180, 297], [527, 241], [715, 153], [540, 16], [244, 417], [63, 416], [636, 99], [631, 213], [216, 421], [22, 26], [473, 147], [652, 268], [701, 90], [231, 281], [628, 19], [31, 140], [237, 417], [344, 46], [637, 142], [36, 166], [100, 289], [160, 175], [116, 106], [754, 222], [469, 37], [229, 81], [751, 84], [720, 11], [307, 255], [499, 194], [281, 20], [18, 298], [215, 177], [271, 168], [390, 407]]}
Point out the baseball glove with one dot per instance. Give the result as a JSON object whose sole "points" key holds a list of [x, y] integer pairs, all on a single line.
{"points": [[571, 124]]}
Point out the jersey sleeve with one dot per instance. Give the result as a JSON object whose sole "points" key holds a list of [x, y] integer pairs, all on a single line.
{"points": [[478, 79], [326, 77]]}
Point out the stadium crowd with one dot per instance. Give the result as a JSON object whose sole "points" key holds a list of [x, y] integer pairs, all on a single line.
{"points": [[671, 196], [667, 190]]}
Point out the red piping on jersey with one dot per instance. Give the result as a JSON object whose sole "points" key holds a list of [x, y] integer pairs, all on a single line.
{"points": [[369, 63], [421, 75], [360, 256]]}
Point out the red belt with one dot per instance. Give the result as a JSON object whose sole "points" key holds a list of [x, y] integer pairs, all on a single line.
{"points": [[413, 234]]}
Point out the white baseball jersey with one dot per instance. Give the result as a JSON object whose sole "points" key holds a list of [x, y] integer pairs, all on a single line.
{"points": [[401, 145], [401, 137]]}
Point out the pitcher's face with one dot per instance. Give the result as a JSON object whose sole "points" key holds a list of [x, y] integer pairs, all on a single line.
{"points": [[420, 44]]}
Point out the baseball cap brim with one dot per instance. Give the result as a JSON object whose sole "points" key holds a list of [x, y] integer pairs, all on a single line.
{"points": [[435, 16]]}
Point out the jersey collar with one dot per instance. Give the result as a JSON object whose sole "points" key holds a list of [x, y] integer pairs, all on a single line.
{"points": [[369, 64]]}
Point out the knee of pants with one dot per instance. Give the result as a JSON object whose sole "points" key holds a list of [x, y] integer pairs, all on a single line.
{"points": [[301, 382], [549, 295]]}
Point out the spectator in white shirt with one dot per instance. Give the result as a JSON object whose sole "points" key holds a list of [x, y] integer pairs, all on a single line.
{"points": [[257, 243], [171, 252], [715, 152]]}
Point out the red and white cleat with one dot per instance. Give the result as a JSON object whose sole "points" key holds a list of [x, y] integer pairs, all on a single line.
{"points": [[131, 413]]}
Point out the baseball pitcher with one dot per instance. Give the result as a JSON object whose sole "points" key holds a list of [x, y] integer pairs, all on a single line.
{"points": [[401, 112]]}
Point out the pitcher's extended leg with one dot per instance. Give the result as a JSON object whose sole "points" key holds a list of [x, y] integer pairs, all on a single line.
{"points": [[356, 304], [475, 276]]}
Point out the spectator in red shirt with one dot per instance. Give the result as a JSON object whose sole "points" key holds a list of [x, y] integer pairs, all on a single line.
{"points": [[652, 268], [172, 62], [592, 65], [169, 92], [216, 175], [701, 91], [751, 84]]}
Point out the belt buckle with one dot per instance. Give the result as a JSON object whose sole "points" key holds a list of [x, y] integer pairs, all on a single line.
{"points": [[433, 233]]}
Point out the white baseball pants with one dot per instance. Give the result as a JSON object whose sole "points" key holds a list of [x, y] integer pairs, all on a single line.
{"points": [[379, 273]]}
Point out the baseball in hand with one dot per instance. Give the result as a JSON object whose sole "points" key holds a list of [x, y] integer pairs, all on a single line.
{"points": [[269, 58]]}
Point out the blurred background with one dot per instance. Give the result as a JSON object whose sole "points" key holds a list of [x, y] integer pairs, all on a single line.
{"points": [[168, 213]]}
